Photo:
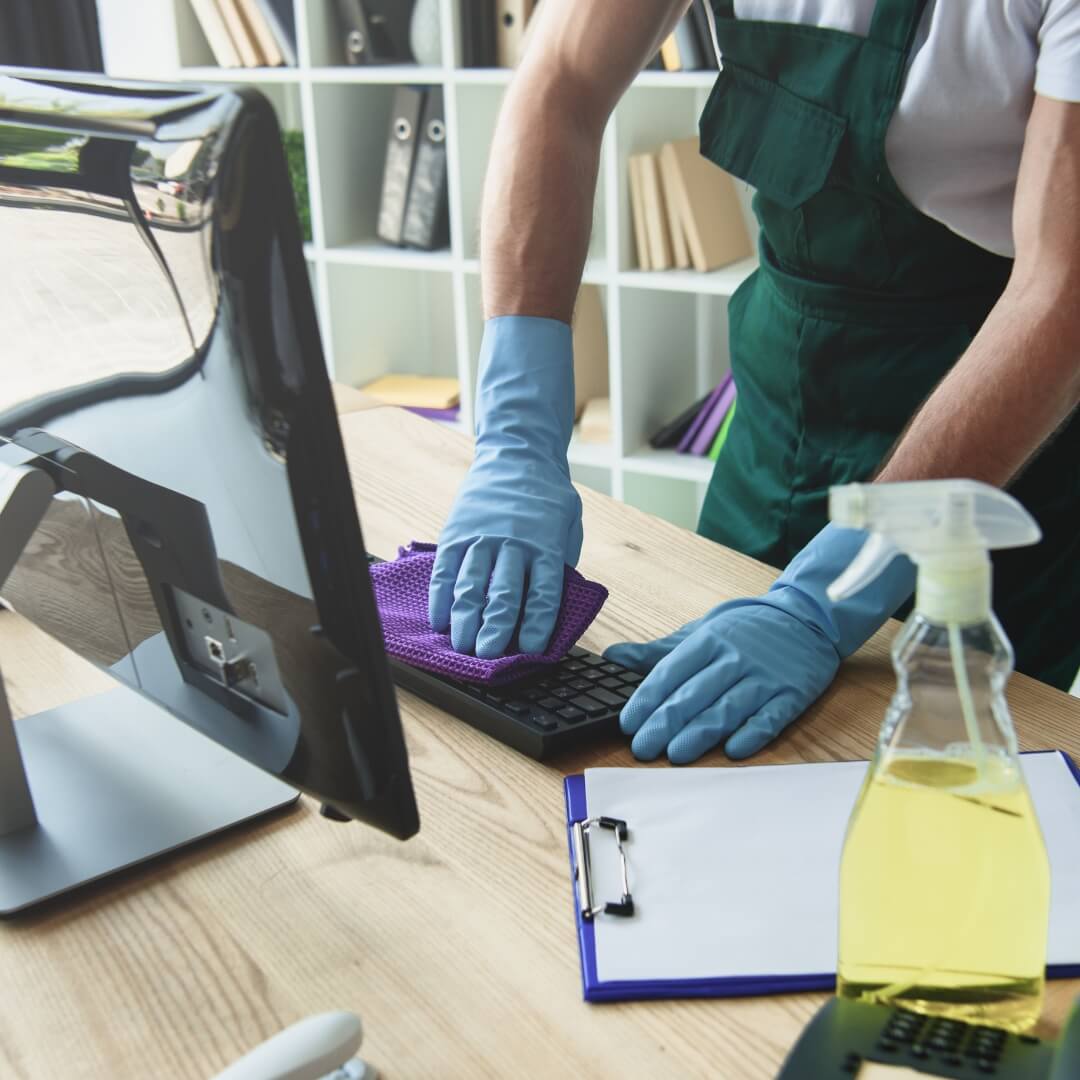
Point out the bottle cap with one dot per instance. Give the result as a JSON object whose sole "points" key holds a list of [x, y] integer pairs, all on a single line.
{"points": [[946, 527]]}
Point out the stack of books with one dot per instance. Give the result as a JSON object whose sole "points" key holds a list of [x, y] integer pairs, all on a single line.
{"points": [[435, 396], [248, 33], [685, 210], [413, 206], [703, 428]]}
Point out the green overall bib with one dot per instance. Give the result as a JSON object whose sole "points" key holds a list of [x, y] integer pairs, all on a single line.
{"points": [[861, 305]]}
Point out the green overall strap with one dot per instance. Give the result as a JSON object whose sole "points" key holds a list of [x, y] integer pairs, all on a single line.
{"points": [[894, 23], [893, 26]]}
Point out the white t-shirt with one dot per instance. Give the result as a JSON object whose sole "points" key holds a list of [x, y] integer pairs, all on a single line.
{"points": [[955, 139]]}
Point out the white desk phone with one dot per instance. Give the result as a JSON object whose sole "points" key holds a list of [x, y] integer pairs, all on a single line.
{"points": [[320, 1047]]}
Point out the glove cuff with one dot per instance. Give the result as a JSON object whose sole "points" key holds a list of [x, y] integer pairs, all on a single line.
{"points": [[801, 589], [525, 387]]}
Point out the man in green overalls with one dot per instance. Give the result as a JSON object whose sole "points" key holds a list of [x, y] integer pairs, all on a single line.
{"points": [[878, 338]]}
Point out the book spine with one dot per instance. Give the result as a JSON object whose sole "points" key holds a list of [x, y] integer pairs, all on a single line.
{"points": [[261, 32], [669, 191], [709, 59], [722, 434], [670, 434], [691, 432], [686, 39], [238, 31], [286, 38], [355, 32], [715, 419], [669, 53], [400, 155], [426, 211], [637, 210], [655, 215], [216, 33], [511, 18]]}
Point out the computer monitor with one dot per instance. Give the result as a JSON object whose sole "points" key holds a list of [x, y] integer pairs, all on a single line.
{"points": [[161, 365]]}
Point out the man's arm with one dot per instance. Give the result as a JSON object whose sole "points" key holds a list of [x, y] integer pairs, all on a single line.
{"points": [[541, 179], [1019, 380]]}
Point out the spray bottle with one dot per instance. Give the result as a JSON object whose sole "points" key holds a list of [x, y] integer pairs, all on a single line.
{"points": [[944, 880]]}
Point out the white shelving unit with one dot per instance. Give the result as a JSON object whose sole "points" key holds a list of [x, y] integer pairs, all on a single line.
{"points": [[384, 309]]}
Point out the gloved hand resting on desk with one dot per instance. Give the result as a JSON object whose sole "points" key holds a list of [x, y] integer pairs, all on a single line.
{"points": [[516, 521], [740, 674]]}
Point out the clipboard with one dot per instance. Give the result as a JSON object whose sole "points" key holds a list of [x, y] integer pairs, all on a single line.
{"points": [[592, 903]]}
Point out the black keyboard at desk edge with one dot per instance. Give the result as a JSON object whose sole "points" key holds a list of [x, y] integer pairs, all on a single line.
{"points": [[561, 706]]}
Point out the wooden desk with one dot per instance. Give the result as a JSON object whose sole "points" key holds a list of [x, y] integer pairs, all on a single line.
{"points": [[457, 948]]}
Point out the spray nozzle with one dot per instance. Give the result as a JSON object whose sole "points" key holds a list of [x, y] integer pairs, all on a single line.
{"points": [[946, 526]]}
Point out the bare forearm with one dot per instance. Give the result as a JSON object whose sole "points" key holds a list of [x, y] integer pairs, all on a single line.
{"points": [[538, 199], [1016, 384], [541, 178], [1020, 379]]}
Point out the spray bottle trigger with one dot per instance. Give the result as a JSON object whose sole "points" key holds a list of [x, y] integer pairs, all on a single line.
{"points": [[874, 556]]}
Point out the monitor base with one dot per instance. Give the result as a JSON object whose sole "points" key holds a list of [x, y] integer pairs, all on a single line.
{"points": [[116, 780]]}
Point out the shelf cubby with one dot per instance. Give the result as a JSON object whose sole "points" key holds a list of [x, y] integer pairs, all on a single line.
{"points": [[383, 308]]}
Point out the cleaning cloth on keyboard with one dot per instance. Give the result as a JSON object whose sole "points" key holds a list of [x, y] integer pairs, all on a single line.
{"points": [[401, 595]]}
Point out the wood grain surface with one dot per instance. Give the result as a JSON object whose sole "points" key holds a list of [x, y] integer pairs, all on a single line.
{"points": [[457, 948]]}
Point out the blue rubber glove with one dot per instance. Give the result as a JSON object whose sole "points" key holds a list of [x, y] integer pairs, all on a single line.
{"points": [[516, 522], [740, 674]]}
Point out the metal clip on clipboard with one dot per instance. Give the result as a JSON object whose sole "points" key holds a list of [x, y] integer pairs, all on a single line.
{"points": [[583, 870]]}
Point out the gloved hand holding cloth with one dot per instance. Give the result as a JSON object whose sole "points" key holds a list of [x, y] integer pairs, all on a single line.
{"points": [[516, 521]]}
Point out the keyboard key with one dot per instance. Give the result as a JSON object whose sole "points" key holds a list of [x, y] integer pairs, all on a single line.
{"points": [[564, 692], [541, 721], [613, 669], [571, 715], [593, 661], [580, 684], [576, 666], [632, 678], [588, 705], [593, 674], [611, 683], [550, 703], [606, 696], [516, 707], [578, 653], [625, 692]]}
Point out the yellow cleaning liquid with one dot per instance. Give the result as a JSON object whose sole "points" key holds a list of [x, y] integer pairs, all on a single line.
{"points": [[945, 890]]}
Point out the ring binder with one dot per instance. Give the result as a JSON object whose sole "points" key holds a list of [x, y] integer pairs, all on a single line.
{"points": [[583, 869]]}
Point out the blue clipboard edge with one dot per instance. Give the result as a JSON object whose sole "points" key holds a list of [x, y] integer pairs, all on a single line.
{"points": [[738, 986]]}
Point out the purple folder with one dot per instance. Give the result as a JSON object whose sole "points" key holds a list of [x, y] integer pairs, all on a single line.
{"points": [[691, 432], [435, 414], [723, 986], [711, 425]]}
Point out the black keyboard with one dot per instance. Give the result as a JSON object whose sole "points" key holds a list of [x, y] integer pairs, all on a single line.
{"points": [[561, 706], [557, 707]]}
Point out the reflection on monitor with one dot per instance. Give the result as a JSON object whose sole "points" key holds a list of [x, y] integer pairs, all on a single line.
{"points": [[162, 365]]}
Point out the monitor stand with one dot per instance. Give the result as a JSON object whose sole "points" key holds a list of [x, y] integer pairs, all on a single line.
{"points": [[109, 781]]}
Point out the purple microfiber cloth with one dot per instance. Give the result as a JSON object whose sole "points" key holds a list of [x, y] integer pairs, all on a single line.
{"points": [[401, 595]]}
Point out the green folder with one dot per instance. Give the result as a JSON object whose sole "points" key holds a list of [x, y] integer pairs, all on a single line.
{"points": [[721, 435]]}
